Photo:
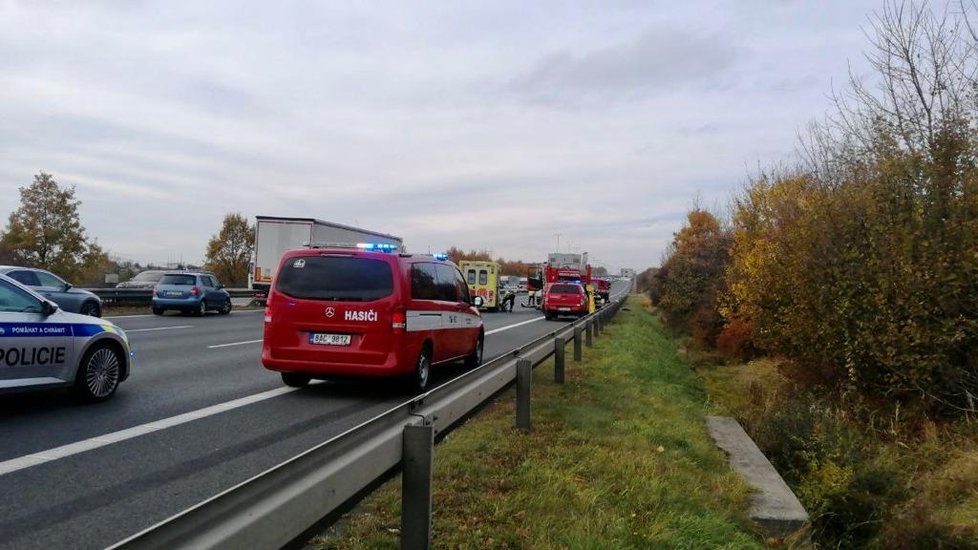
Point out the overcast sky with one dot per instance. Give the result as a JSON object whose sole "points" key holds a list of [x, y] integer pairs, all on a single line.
{"points": [[491, 125]]}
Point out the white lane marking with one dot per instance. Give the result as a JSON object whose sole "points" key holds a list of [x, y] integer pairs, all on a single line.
{"points": [[64, 451], [234, 344], [126, 316], [131, 330], [151, 315], [507, 327]]}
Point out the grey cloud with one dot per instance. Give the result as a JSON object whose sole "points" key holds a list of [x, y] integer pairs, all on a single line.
{"points": [[658, 59], [409, 118], [212, 97], [66, 132]]}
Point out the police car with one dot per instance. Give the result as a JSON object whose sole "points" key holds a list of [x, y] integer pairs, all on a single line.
{"points": [[364, 310], [42, 346]]}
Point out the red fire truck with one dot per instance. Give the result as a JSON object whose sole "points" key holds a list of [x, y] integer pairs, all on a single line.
{"points": [[603, 288], [534, 286], [569, 268]]}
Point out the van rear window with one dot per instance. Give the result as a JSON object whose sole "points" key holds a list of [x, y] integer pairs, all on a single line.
{"points": [[565, 289], [340, 278]]}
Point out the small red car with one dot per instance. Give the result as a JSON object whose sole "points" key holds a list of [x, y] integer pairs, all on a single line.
{"points": [[564, 299], [356, 312]]}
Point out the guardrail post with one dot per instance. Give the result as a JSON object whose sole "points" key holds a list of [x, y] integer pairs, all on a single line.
{"points": [[559, 344], [578, 345], [589, 333], [418, 451], [524, 376], [598, 321]]}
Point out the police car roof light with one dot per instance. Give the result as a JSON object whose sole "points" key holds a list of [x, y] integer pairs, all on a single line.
{"points": [[441, 256]]}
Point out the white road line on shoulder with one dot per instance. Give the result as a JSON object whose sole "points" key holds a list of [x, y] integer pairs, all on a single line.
{"points": [[507, 327], [234, 344], [71, 449], [151, 315], [131, 330], [127, 316]]}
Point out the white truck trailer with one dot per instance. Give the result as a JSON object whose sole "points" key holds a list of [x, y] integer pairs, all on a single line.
{"points": [[274, 235]]}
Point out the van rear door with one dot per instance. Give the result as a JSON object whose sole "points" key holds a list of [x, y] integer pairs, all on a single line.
{"points": [[338, 308]]}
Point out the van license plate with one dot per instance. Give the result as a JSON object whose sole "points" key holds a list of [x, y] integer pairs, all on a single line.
{"points": [[329, 339]]}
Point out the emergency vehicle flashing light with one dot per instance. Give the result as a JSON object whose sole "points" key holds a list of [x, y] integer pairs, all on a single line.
{"points": [[378, 247], [373, 247]]}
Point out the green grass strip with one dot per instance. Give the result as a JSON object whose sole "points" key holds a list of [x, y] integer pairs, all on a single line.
{"points": [[619, 457]]}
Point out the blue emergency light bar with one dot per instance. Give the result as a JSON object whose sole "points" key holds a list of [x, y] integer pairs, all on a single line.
{"points": [[441, 256], [377, 247]]}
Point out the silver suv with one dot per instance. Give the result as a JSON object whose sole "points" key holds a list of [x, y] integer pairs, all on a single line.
{"points": [[144, 279]]}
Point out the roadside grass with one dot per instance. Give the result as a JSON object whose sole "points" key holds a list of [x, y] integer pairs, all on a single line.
{"points": [[618, 457], [868, 478]]}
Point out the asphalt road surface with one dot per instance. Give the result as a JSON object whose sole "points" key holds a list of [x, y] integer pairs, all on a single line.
{"points": [[198, 415]]}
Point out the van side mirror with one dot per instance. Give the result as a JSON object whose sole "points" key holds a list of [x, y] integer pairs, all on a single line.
{"points": [[477, 301]]}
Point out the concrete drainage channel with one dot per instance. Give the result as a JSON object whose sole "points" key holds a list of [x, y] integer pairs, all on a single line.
{"points": [[773, 506], [283, 503]]}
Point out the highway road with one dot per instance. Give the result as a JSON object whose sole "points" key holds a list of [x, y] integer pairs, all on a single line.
{"points": [[198, 415]]}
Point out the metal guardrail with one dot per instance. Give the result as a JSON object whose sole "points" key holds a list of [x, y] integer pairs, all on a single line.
{"points": [[144, 296], [275, 507]]}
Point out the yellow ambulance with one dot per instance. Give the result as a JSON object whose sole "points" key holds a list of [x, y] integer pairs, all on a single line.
{"points": [[484, 279]]}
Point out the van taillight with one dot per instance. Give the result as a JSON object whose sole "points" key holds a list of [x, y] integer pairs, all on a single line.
{"points": [[194, 291], [399, 321]]}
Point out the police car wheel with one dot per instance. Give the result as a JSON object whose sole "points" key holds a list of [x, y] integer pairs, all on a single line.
{"points": [[295, 380], [91, 309], [475, 359], [98, 373], [422, 370]]}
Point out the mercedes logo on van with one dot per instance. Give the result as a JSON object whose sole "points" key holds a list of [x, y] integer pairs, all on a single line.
{"points": [[330, 312]]}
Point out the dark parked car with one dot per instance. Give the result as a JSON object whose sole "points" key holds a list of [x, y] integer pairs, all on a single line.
{"points": [[190, 293], [54, 288], [146, 279]]}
